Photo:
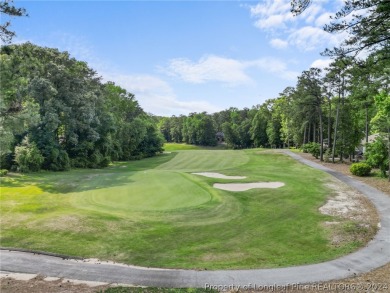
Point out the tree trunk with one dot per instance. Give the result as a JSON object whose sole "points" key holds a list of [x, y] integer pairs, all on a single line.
{"points": [[309, 133], [321, 136], [329, 124], [304, 135], [335, 130], [342, 112], [367, 123], [314, 132], [388, 145]]}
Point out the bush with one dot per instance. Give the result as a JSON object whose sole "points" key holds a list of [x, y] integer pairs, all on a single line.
{"points": [[3, 172], [305, 148], [79, 163], [28, 157], [327, 155], [312, 148], [360, 169], [59, 160], [377, 155]]}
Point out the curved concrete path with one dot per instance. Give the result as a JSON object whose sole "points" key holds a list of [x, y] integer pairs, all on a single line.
{"points": [[376, 254]]}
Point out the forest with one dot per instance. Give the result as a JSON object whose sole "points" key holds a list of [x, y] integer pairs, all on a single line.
{"points": [[56, 114], [339, 107]]}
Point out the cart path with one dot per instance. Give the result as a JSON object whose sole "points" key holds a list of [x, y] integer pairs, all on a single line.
{"points": [[374, 255]]}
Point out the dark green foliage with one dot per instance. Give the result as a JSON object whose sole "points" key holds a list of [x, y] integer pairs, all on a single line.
{"points": [[360, 169], [231, 135], [67, 113], [198, 128], [312, 148], [59, 160], [202, 128], [3, 172], [377, 155], [28, 157], [258, 130]]}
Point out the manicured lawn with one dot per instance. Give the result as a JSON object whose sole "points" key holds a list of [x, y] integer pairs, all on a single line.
{"points": [[170, 147], [154, 212]]}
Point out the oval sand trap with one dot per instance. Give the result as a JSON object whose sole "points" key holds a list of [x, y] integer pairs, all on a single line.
{"points": [[218, 175], [247, 186]]}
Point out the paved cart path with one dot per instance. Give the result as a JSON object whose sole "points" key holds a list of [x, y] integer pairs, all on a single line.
{"points": [[375, 254]]}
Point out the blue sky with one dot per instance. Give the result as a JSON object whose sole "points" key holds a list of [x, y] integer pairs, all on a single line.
{"points": [[179, 57]]}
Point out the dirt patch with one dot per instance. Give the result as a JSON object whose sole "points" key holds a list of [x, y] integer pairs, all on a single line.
{"points": [[355, 217], [345, 202], [73, 223], [222, 256], [247, 186], [218, 175], [28, 283], [10, 220]]}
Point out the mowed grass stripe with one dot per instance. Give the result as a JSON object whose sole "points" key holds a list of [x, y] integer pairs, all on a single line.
{"points": [[145, 191], [205, 160]]}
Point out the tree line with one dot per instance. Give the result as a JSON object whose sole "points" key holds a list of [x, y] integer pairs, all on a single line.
{"points": [[56, 113], [328, 111], [335, 108]]}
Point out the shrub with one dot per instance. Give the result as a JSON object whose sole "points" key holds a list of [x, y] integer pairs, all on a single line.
{"points": [[360, 169], [3, 172], [305, 148], [327, 155], [79, 163], [59, 160], [312, 148], [377, 155], [105, 162], [28, 157]]}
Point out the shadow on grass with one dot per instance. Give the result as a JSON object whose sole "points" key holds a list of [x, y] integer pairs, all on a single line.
{"points": [[77, 180]]}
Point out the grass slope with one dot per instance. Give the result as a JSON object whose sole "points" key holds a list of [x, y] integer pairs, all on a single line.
{"points": [[154, 212]]}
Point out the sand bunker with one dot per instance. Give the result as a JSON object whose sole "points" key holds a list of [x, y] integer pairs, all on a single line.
{"points": [[247, 186], [218, 175]]}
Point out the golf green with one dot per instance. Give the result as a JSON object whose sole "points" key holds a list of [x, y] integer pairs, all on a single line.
{"points": [[155, 212], [144, 191]]}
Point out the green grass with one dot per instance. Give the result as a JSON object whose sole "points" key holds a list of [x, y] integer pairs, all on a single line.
{"points": [[170, 147], [154, 212], [205, 160]]}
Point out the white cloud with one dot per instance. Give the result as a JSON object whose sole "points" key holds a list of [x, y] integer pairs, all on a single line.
{"points": [[274, 66], [269, 7], [279, 44], [225, 70], [311, 12], [156, 96], [209, 68], [310, 38], [321, 63], [323, 19], [272, 14], [303, 31]]}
